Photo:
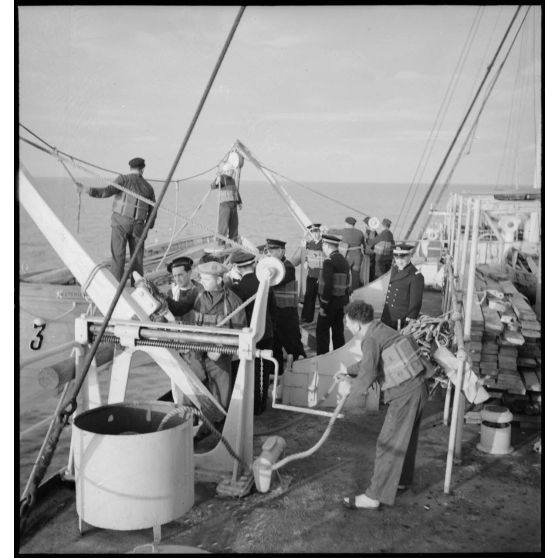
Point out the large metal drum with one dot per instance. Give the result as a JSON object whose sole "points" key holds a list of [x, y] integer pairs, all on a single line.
{"points": [[129, 475]]}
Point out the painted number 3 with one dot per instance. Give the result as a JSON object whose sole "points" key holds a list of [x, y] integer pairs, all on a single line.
{"points": [[36, 343]]}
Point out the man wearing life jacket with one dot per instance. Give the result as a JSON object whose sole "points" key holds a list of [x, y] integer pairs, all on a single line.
{"points": [[244, 266], [383, 248], [392, 360], [184, 288], [354, 239], [129, 215], [286, 327], [212, 303], [230, 201], [406, 286], [333, 292], [369, 235], [314, 259]]}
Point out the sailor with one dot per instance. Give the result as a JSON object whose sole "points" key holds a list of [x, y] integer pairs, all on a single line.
{"points": [[184, 288], [369, 235], [129, 215], [212, 303], [286, 327], [383, 248], [333, 292], [400, 375], [230, 201], [314, 260], [244, 266], [404, 294], [354, 238]]}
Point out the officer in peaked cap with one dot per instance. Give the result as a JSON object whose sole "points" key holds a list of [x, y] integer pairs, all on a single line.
{"points": [[130, 214], [354, 239], [184, 288], [246, 287], [333, 293], [369, 235], [382, 245], [405, 290], [286, 326]]}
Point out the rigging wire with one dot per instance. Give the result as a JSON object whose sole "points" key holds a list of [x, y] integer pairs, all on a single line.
{"points": [[458, 133], [440, 117], [63, 414]]}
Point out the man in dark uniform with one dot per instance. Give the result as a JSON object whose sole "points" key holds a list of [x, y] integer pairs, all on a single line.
{"points": [[333, 291], [404, 294], [369, 236], [230, 201], [383, 248], [129, 215], [184, 288], [314, 259], [244, 264], [286, 327], [354, 239]]}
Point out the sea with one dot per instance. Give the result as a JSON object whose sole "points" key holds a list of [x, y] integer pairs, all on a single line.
{"points": [[264, 215]]}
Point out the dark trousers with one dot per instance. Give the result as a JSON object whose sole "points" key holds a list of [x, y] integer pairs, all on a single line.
{"points": [[286, 334], [334, 321], [309, 306], [124, 231], [383, 264], [228, 221], [372, 274], [396, 448]]}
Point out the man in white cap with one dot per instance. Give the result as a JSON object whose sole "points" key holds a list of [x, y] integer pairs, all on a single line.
{"points": [[406, 286], [230, 201], [383, 248], [210, 306]]}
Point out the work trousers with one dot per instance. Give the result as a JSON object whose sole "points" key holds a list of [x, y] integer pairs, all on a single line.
{"points": [[228, 220], [332, 321], [383, 264], [396, 447], [354, 259], [309, 305], [125, 231], [286, 335], [372, 274]]}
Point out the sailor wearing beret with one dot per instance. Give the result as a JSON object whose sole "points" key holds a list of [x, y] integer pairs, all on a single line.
{"points": [[184, 287], [333, 292], [210, 305], [354, 239], [244, 266], [129, 215], [406, 286], [286, 327]]}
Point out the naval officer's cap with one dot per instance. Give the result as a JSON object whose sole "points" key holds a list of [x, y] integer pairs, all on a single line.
{"points": [[314, 227], [274, 243], [331, 239], [403, 249], [212, 268], [137, 163], [242, 258], [177, 262], [350, 220]]}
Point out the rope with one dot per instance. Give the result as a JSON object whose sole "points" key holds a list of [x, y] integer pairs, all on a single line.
{"points": [[91, 275], [62, 417]]}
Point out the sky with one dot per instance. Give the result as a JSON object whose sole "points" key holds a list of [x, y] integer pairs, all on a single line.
{"points": [[318, 93]]}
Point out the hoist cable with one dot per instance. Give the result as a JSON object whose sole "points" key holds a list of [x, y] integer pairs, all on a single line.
{"points": [[61, 419]]}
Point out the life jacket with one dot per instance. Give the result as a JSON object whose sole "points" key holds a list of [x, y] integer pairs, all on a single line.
{"points": [[129, 206], [315, 258], [400, 361], [341, 282], [228, 190], [286, 295], [210, 319]]}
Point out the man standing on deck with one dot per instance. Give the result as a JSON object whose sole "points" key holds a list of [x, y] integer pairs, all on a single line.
{"points": [[383, 248], [354, 238], [401, 378], [406, 286], [230, 201], [244, 265], [286, 327], [212, 303], [333, 290], [129, 215], [314, 258], [184, 288], [369, 236]]}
